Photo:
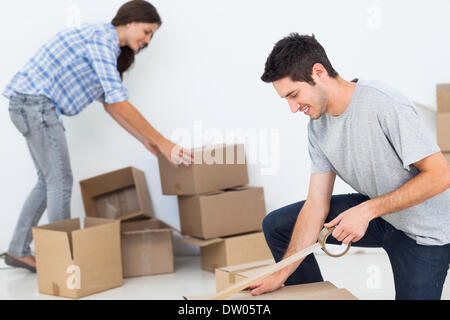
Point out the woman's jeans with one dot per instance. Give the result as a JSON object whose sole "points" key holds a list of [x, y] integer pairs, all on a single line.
{"points": [[419, 271], [35, 117]]}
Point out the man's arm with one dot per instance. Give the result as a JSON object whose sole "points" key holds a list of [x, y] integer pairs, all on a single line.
{"points": [[133, 121], [306, 230], [434, 178]]}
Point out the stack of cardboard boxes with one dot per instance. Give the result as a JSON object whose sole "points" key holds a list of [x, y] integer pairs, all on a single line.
{"points": [[443, 119], [146, 242], [218, 212]]}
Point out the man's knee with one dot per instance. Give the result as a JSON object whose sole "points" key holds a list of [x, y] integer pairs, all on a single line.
{"points": [[278, 221]]}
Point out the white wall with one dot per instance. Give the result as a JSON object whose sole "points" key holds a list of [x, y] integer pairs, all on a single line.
{"points": [[204, 65]]}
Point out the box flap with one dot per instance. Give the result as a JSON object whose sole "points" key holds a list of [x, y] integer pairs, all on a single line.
{"points": [[64, 225], [200, 242], [248, 266], [144, 226], [108, 182], [92, 222]]}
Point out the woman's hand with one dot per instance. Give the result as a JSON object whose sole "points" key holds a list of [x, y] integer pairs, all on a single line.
{"points": [[172, 152]]}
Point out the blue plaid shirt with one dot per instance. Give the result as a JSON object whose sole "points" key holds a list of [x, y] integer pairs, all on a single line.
{"points": [[74, 68]]}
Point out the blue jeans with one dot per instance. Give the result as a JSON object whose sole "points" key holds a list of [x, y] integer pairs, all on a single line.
{"points": [[35, 118], [419, 271]]}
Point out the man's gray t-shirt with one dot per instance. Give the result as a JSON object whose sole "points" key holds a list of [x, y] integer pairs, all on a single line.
{"points": [[372, 147]]}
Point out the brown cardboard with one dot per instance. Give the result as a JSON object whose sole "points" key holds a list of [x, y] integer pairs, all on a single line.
{"points": [[443, 97], [443, 130], [147, 248], [310, 291], [228, 276], [73, 262], [122, 194], [215, 168], [447, 157], [227, 251], [223, 213]]}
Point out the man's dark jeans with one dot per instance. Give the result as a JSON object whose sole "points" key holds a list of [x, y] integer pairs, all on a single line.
{"points": [[419, 271]]}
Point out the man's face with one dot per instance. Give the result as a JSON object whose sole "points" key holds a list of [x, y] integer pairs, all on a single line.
{"points": [[303, 97]]}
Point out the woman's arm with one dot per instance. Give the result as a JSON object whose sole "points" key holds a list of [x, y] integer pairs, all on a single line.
{"points": [[132, 120]]}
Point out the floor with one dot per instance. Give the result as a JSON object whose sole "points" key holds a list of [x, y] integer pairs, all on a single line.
{"points": [[366, 275]]}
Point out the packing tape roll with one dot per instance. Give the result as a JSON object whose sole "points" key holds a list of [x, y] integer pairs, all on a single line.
{"points": [[323, 235]]}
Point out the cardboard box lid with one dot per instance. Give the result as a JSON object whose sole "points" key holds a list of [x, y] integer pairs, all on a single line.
{"points": [[311, 291], [144, 226]]}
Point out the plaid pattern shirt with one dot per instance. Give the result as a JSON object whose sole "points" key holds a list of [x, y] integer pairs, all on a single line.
{"points": [[74, 68]]}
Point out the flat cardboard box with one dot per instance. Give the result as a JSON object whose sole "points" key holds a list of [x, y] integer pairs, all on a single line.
{"points": [[443, 130], [74, 262], [310, 291], [215, 168], [228, 251], [122, 194], [228, 276], [443, 97], [223, 213], [147, 247]]}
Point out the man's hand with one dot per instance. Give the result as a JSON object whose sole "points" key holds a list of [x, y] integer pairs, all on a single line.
{"points": [[351, 224], [268, 284]]}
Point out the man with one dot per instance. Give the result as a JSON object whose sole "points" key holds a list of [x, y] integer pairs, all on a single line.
{"points": [[372, 137]]}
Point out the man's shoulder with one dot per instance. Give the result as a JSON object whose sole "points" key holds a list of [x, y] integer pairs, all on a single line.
{"points": [[381, 94]]}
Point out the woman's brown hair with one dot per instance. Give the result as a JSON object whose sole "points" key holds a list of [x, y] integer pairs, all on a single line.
{"points": [[133, 11]]}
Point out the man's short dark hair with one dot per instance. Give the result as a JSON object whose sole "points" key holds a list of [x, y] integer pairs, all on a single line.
{"points": [[294, 56]]}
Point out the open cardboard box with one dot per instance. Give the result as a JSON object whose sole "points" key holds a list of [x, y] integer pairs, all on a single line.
{"points": [[227, 251], [310, 291], [222, 213], [122, 194], [215, 168], [147, 247], [74, 262]]}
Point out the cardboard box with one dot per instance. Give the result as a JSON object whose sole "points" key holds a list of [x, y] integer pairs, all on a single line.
{"points": [[310, 291], [447, 157], [443, 97], [227, 251], [228, 276], [122, 194], [215, 168], [223, 213], [147, 247], [443, 130], [74, 262]]}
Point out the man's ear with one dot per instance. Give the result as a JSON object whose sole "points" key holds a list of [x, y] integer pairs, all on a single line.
{"points": [[318, 71]]}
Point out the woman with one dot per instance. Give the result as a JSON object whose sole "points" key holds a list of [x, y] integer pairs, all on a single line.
{"points": [[76, 67]]}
